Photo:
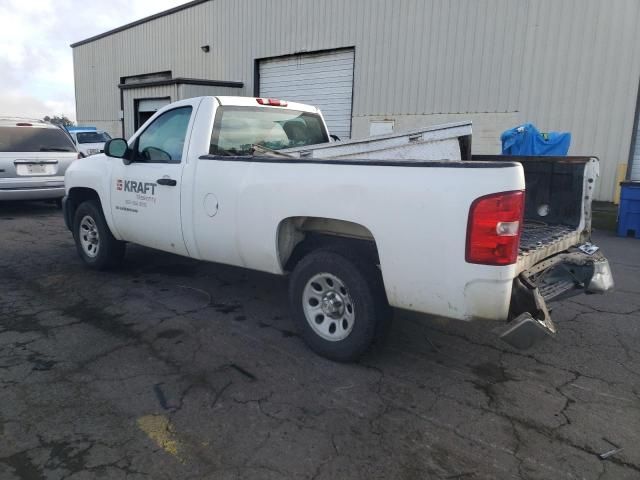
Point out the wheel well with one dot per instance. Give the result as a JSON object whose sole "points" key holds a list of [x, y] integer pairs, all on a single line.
{"points": [[76, 196], [298, 236]]}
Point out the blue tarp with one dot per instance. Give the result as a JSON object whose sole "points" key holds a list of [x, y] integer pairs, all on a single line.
{"points": [[527, 140]]}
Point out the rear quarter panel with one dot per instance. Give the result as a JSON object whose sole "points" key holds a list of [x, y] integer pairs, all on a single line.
{"points": [[417, 215]]}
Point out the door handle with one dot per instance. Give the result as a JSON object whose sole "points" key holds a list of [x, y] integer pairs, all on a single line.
{"points": [[169, 182]]}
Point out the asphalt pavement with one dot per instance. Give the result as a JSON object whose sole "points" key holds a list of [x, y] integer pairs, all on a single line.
{"points": [[169, 368]]}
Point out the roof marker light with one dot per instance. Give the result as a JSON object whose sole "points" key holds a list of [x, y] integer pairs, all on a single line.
{"points": [[273, 102]]}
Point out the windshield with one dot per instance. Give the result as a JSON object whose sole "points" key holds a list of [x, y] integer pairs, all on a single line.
{"points": [[237, 129], [34, 139], [92, 137]]}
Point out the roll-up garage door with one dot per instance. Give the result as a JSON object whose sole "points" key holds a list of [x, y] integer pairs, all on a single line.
{"points": [[324, 80], [152, 104]]}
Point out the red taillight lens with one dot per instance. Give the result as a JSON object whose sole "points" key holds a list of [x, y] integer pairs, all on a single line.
{"points": [[493, 231], [273, 102]]}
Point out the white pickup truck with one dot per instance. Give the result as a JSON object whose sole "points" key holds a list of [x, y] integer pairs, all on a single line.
{"points": [[453, 236]]}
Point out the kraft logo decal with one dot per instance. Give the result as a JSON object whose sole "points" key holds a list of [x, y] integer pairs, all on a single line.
{"points": [[136, 187]]}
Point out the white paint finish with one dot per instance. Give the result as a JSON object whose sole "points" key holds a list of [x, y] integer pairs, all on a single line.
{"points": [[423, 271], [253, 102], [244, 231], [570, 65], [324, 80], [152, 219]]}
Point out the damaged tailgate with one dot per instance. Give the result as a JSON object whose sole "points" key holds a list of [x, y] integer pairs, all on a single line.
{"points": [[555, 257]]}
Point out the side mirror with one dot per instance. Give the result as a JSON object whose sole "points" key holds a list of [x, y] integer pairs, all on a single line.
{"points": [[116, 147]]}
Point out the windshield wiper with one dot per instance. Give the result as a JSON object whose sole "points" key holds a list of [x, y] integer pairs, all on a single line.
{"points": [[262, 150], [54, 149]]}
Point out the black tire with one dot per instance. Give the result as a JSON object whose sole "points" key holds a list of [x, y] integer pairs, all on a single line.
{"points": [[110, 251], [363, 283]]}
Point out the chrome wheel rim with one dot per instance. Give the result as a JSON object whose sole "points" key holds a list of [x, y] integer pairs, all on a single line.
{"points": [[328, 307], [89, 236]]}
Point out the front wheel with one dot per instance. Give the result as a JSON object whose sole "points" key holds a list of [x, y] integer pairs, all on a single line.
{"points": [[95, 244], [338, 302]]}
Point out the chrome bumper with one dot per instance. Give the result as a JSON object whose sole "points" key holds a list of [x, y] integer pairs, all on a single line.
{"points": [[602, 279]]}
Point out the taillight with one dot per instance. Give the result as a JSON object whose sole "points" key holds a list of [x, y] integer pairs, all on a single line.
{"points": [[493, 230], [273, 102]]}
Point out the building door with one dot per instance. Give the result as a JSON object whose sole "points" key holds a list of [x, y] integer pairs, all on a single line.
{"points": [[324, 80], [146, 107]]}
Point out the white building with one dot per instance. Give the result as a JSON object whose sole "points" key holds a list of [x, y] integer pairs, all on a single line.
{"points": [[376, 65]]}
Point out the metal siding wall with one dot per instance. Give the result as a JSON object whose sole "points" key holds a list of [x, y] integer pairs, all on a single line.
{"points": [[634, 174], [582, 76], [571, 65], [190, 91]]}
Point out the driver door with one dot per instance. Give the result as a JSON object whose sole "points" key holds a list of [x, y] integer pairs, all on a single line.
{"points": [[145, 200]]}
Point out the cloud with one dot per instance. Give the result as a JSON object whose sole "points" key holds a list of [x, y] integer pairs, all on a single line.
{"points": [[35, 58]]}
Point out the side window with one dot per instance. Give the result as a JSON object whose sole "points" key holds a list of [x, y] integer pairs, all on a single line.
{"points": [[163, 140]]}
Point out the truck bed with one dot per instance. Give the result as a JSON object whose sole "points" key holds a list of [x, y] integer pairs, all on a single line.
{"points": [[539, 242], [536, 236], [557, 205]]}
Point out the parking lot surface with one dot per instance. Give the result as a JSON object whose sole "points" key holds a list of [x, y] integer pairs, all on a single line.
{"points": [[170, 368]]}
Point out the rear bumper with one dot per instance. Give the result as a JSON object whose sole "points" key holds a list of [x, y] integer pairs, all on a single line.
{"points": [[561, 276], [32, 193]]}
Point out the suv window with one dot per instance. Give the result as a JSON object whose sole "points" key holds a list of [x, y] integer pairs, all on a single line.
{"points": [[93, 137], [237, 129], [34, 139], [163, 140]]}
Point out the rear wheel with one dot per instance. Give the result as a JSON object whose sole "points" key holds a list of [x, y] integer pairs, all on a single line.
{"points": [[95, 244], [338, 303]]}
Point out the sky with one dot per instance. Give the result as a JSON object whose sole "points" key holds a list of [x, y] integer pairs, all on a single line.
{"points": [[36, 63]]}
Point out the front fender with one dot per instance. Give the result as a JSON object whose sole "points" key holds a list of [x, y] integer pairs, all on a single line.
{"points": [[93, 173]]}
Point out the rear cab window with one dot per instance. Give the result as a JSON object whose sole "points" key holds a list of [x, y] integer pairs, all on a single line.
{"points": [[236, 130], [34, 139]]}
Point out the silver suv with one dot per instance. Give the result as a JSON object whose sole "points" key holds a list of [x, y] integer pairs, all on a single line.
{"points": [[33, 158]]}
